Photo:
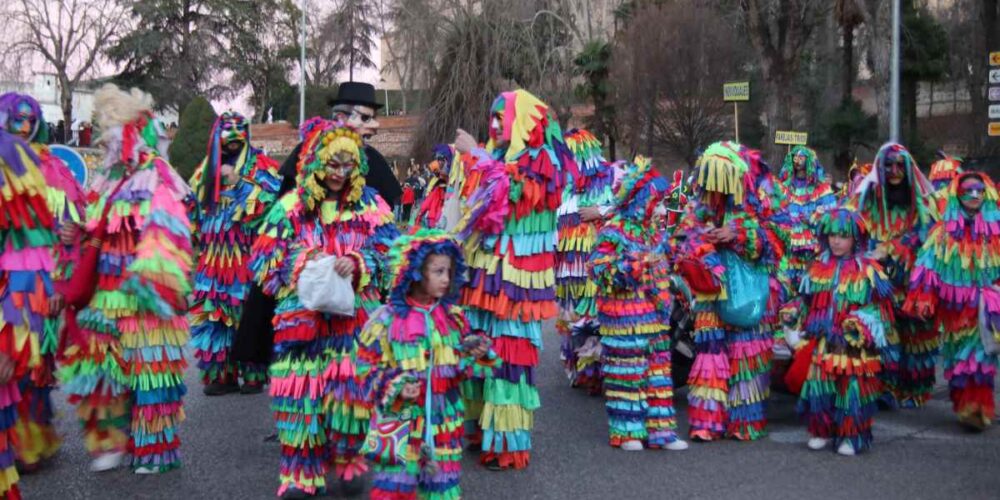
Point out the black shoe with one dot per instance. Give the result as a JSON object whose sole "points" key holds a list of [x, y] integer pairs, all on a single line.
{"points": [[295, 494], [252, 388], [218, 389], [493, 465]]}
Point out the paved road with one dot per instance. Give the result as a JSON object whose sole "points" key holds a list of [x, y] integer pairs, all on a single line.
{"points": [[918, 454]]}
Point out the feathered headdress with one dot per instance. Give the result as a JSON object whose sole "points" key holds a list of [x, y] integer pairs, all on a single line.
{"points": [[406, 264], [327, 139], [129, 130], [9, 103]]}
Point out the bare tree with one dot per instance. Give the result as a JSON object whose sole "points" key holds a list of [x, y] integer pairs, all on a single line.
{"points": [[69, 35], [411, 42], [778, 31]]}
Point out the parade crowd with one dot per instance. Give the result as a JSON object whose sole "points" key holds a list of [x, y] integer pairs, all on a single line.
{"points": [[389, 349]]}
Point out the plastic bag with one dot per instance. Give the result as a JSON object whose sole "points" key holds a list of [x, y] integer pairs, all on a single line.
{"points": [[321, 289], [747, 290]]}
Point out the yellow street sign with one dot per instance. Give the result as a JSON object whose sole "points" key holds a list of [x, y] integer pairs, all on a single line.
{"points": [[736, 91], [994, 58], [994, 130], [791, 137]]}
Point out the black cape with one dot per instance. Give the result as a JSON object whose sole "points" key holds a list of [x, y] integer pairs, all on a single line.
{"points": [[254, 339]]}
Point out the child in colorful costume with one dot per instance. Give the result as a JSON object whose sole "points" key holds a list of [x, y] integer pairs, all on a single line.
{"points": [[584, 206], [26, 289], [510, 237], [21, 115], [234, 187], [422, 323], [896, 201], [849, 301], [729, 381], [428, 214], [125, 369], [954, 282], [635, 317], [809, 194], [320, 408]]}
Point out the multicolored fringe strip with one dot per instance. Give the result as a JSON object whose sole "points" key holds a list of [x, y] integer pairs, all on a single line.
{"points": [[320, 406], [226, 226], [954, 282], [511, 247]]}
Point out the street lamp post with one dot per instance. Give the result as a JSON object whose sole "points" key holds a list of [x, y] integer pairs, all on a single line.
{"points": [[894, 76]]}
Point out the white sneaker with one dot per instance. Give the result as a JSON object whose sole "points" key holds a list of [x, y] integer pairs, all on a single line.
{"points": [[817, 443], [146, 470], [633, 445], [678, 445], [106, 461], [846, 449]]}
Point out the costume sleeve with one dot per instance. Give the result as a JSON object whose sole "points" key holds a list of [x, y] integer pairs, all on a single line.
{"points": [[902, 254], [276, 257], [866, 326], [470, 367], [613, 267], [925, 282], [160, 272], [378, 370], [263, 184], [373, 258], [488, 206]]}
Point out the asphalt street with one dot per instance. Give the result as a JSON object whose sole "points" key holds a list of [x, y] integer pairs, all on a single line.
{"points": [[918, 454]]}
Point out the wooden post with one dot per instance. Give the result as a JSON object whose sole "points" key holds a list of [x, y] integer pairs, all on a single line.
{"points": [[736, 119]]}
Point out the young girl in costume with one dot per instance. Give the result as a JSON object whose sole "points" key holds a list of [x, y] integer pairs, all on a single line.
{"points": [[510, 237], [26, 289], [422, 331], [635, 317], [234, 187], [896, 201], [125, 372], [584, 206], [954, 282], [21, 115], [320, 408], [849, 303], [730, 378]]}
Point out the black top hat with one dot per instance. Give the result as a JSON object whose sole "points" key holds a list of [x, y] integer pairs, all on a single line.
{"points": [[356, 93]]}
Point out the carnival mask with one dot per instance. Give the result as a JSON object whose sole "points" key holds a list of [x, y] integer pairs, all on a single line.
{"points": [[895, 169], [971, 192], [799, 164], [23, 122], [234, 132]]}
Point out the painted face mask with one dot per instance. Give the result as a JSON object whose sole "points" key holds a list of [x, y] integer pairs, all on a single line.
{"points": [[23, 122], [233, 129]]}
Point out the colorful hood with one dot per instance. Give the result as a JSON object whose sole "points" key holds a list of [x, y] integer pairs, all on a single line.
{"points": [[986, 222], [406, 262], [128, 129], [944, 171], [814, 171], [642, 189], [844, 221], [721, 169], [209, 184], [589, 156], [529, 127], [324, 140], [9, 103], [871, 190]]}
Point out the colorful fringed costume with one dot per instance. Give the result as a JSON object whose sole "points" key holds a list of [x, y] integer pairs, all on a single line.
{"points": [[899, 217], [954, 283], [730, 379], [577, 322], [25, 285], [634, 316], [37, 438], [126, 370], [320, 408], [510, 237], [428, 214], [944, 171], [809, 195], [227, 212], [394, 349], [849, 303]]}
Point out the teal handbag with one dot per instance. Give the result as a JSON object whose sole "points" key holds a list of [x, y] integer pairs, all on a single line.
{"points": [[747, 291]]}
